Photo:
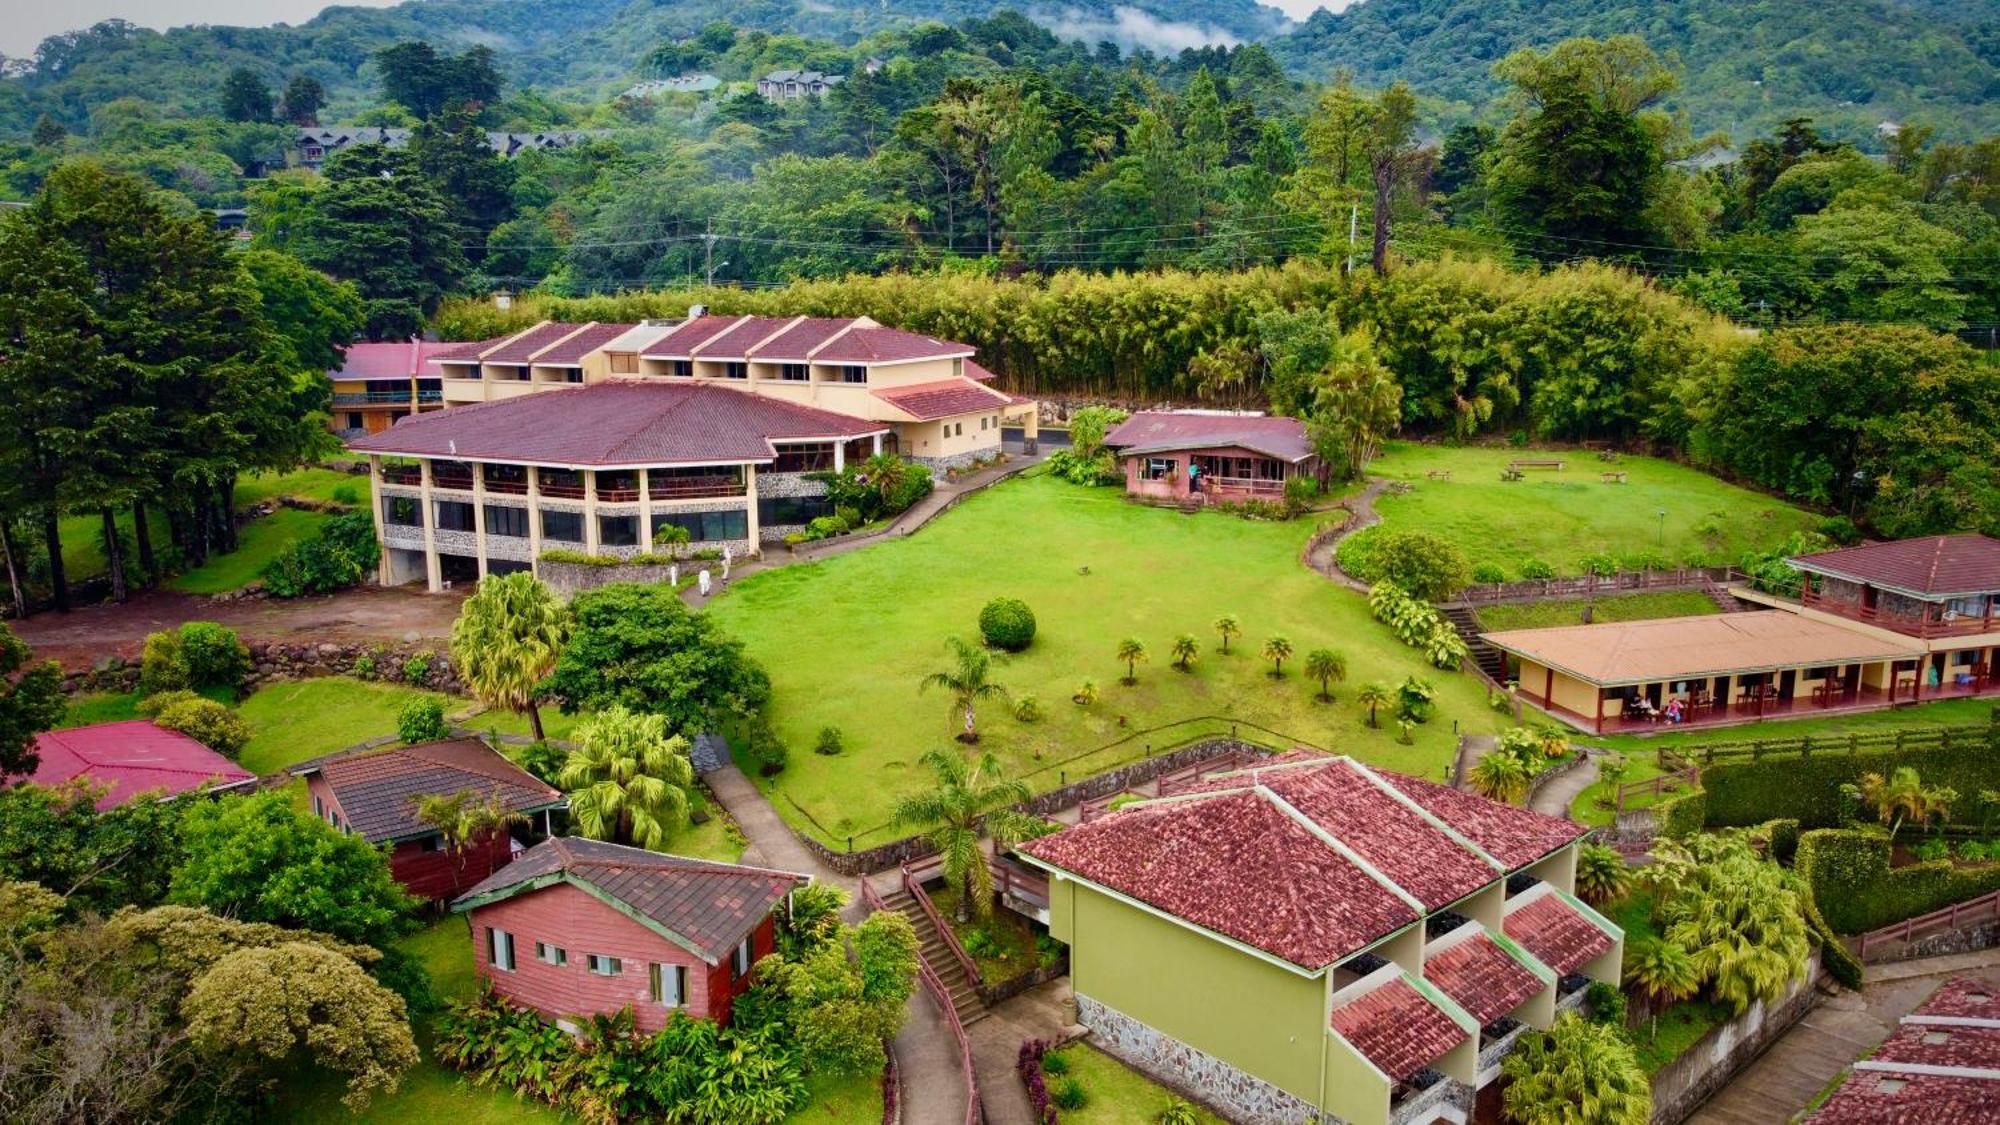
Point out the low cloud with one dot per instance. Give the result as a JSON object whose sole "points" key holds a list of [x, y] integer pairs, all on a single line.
{"points": [[1133, 27]]}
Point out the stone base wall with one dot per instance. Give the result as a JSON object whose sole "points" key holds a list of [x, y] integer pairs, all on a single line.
{"points": [[1965, 939], [1682, 1085], [274, 661], [940, 465], [1244, 1098], [570, 579]]}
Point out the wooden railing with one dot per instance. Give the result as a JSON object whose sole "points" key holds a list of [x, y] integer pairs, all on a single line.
{"points": [[1689, 776], [975, 1111], [451, 480], [1097, 806], [696, 488], [562, 491], [913, 883], [1951, 917], [1533, 589], [1236, 759], [1903, 738], [507, 487], [1015, 882], [402, 475], [1912, 624]]}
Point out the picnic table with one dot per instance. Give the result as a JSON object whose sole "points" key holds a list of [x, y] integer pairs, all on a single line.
{"points": [[1613, 476], [1533, 463], [1439, 474]]}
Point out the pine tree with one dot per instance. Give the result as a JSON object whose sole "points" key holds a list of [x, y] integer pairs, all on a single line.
{"points": [[246, 97], [381, 224]]}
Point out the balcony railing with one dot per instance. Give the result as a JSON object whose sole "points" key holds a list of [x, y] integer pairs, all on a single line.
{"points": [[402, 474], [1924, 625], [562, 491], [617, 495], [510, 487], [452, 480], [383, 398], [696, 488]]}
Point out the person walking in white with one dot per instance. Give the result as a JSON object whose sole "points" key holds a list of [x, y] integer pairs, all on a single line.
{"points": [[702, 581], [725, 564]]}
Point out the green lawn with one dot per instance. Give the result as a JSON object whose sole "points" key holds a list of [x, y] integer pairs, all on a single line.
{"points": [[290, 722], [1621, 607], [1560, 517], [848, 639], [257, 543], [312, 483], [1116, 1093]]}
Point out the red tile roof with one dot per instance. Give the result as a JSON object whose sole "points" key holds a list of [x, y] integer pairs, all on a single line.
{"points": [[1555, 933], [973, 370], [709, 906], [737, 341], [875, 344], [680, 341], [942, 399], [466, 351], [132, 757], [1964, 998], [1513, 835], [522, 348], [1958, 1030], [378, 789], [1397, 1028], [1936, 565], [398, 359], [1165, 431], [796, 344], [1481, 977], [618, 422], [1238, 864], [573, 349]]}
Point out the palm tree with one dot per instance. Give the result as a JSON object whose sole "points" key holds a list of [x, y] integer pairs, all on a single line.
{"points": [[1501, 776], [1131, 651], [967, 682], [507, 639], [1601, 874], [1575, 1072], [1326, 665], [627, 779], [1185, 650], [1277, 650], [1375, 695], [967, 794], [1228, 626], [1663, 973], [462, 819], [1903, 796]]}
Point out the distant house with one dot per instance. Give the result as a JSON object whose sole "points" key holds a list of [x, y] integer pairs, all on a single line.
{"points": [[579, 927], [374, 794], [376, 384], [314, 147], [682, 84], [790, 85], [134, 757], [1210, 455], [1940, 1065]]}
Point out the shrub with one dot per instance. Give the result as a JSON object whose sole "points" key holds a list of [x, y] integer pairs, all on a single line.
{"points": [[1069, 1092], [346, 494], [1428, 567], [1606, 1003], [163, 664], [421, 720], [1055, 1062], [1682, 815], [766, 749], [1027, 709], [1007, 623], [826, 527], [1178, 1112], [1300, 492], [215, 656], [1856, 890], [829, 742], [1028, 1064], [152, 706], [417, 669], [1488, 573], [1840, 530], [207, 722], [1535, 570], [1807, 787], [1086, 693], [1598, 563], [365, 665], [337, 557]]}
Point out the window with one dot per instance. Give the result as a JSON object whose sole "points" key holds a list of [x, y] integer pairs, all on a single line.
{"points": [[736, 369], [1159, 468], [432, 843], [551, 954], [809, 458], [353, 420], [319, 808], [708, 527], [617, 531], [623, 363], [566, 527], [792, 372], [500, 949], [511, 522], [667, 984], [401, 511], [604, 966], [853, 373], [454, 515], [741, 960], [573, 377], [775, 511], [681, 367]]}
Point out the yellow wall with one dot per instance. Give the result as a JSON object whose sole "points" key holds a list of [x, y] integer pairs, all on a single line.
{"points": [[1353, 1090], [907, 374], [928, 439]]}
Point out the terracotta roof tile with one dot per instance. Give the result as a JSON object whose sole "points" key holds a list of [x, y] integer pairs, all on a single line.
{"points": [[710, 905], [795, 344], [398, 359], [131, 757], [1159, 431], [1511, 834], [378, 789], [1675, 648], [1940, 565], [1555, 934], [1397, 1028], [573, 349], [617, 422], [1966, 998], [522, 348], [875, 344], [1481, 977], [737, 341], [942, 399], [466, 350], [680, 341], [1879, 1094], [976, 371]]}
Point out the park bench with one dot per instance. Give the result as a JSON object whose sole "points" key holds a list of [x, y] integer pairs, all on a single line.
{"points": [[1511, 473], [1536, 464], [1439, 474], [1613, 476]]}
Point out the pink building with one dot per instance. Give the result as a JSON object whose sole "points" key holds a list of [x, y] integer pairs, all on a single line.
{"points": [[134, 757], [577, 927], [1201, 456]]}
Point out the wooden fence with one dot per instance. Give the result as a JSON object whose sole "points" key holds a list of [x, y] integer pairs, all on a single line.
{"points": [[1805, 746], [1689, 776], [1588, 585], [1986, 906], [975, 1111]]}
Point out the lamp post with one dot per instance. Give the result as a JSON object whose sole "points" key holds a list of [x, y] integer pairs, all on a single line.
{"points": [[1660, 538]]}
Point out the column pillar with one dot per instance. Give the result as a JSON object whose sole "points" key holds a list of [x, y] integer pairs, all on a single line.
{"points": [[590, 511], [535, 520], [433, 572], [877, 439], [750, 502], [375, 502], [479, 516], [646, 510], [839, 455]]}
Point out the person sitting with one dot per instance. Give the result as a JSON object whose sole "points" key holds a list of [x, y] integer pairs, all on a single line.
{"points": [[1674, 709]]}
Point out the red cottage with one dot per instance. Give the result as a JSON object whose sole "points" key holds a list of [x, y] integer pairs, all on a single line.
{"points": [[578, 927], [374, 793], [134, 757], [1194, 456]]}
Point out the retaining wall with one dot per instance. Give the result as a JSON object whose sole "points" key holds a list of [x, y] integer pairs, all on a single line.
{"points": [[1682, 1085]]}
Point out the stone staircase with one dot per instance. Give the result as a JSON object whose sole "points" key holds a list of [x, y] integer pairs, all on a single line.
{"points": [[932, 948], [1491, 660]]}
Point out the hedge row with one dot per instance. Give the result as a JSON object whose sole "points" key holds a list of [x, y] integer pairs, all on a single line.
{"points": [[1682, 815], [1848, 871], [1808, 789]]}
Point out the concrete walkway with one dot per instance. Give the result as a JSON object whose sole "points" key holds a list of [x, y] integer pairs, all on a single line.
{"points": [[1792, 1072], [1557, 796], [926, 1055], [1042, 1012], [1324, 558]]}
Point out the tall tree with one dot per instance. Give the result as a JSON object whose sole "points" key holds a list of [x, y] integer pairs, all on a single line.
{"points": [[968, 681], [1390, 143], [381, 224], [627, 779], [476, 184], [966, 798], [507, 639], [246, 97], [304, 98], [31, 701], [415, 76]]}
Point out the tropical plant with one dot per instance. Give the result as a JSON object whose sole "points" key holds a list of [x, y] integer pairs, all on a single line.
{"points": [[1177, 1112], [207, 722], [1501, 776], [1227, 626], [1415, 698], [1576, 1073], [1739, 915], [965, 796], [1027, 709], [627, 779], [968, 681], [1277, 650], [463, 819], [507, 639], [1901, 797], [1601, 874], [1375, 695], [1185, 649], [1085, 694], [421, 720], [1130, 652], [1662, 973], [640, 646], [1326, 666], [830, 742]]}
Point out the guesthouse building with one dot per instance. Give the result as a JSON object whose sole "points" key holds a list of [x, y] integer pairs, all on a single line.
{"points": [[131, 757], [376, 384], [1203, 456]]}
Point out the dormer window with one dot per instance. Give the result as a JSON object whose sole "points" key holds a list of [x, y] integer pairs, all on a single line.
{"points": [[792, 372], [853, 373], [681, 367], [735, 369]]}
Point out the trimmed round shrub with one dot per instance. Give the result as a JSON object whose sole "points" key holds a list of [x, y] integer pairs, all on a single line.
{"points": [[1007, 623], [1535, 570], [1488, 572], [163, 665], [1430, 567], [154, 705], [421, 720], [209, 723], [215, 656]]}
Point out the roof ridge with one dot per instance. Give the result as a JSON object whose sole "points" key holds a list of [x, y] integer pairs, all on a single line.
{"points": [[1345, 850], [1423, 813]]}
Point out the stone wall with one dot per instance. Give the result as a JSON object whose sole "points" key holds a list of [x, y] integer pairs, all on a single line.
{"points": [[1245, 1098], [941, 465], [1964, 939], [276, 661], [1682, 1085]]}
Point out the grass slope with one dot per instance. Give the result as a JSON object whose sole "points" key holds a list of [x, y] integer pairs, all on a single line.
{"points": [[848, 639], [1116, 1093], [1624, 607], [1560, 517]]}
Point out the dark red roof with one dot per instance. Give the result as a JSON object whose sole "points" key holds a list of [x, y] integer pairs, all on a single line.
{"points": [[1936, 565], [710, 906], [1956, 1031], [1397, 1028], [466, 351], [398, 359], [1511, 834], [736, 341], [1239, 864], [797, 342], [132, 757], [680, 341], [618, 422], [942, 399], [378, 789], [1167, 431], [573, 349], [1481, 977], [1557, 936], [973, 370], [522, 348], [1964, 998], [875, 344]]}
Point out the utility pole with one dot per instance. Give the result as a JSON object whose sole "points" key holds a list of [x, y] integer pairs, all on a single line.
{"points": [[1353, 219], [708, 253]]}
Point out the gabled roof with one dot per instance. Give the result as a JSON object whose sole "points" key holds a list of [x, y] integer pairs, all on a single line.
{"points": [[871, 343], [773, 339], [133, 757], [1308, 861], [1480, 976], [1941, 1067], [523, 347], [570, 351], [378, 789], [1396, 1027], [943, 398], [394, 359], [1935, 566], [1156, 431], [1677, 648], [618, 422], [1553, 931], [704, 907]]}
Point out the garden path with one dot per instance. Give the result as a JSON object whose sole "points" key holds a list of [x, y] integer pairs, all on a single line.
{"points": [[1324, 558], [1042, 1012], [933, 1092], [1557, 796], [1793, 1070]]}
